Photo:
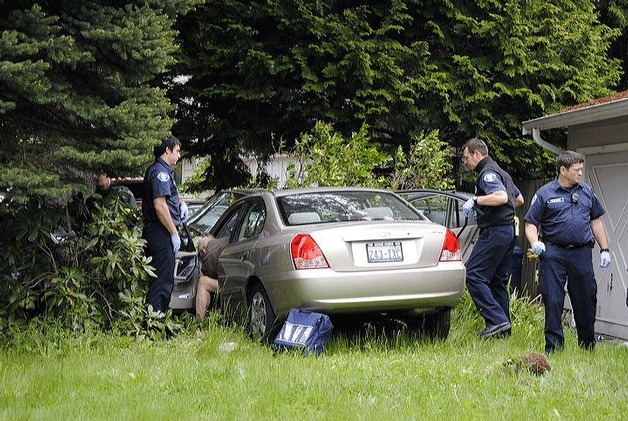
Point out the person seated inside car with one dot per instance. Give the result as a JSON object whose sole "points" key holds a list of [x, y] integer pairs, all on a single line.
{"points": [[209, 251]]}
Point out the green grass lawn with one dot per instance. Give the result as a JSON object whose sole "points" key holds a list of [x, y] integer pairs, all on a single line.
{"points": [[372, 373]]}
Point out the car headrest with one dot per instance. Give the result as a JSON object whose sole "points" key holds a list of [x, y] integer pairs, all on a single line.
{"points": [[381, 212], [300, 218]]}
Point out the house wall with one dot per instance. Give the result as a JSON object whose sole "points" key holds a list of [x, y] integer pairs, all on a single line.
{"points": [[277, 169], [598, 133], [605, 146]]}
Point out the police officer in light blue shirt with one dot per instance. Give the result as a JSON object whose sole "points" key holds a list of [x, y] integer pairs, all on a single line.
{"points": [[487, 267], [161, 211], [569, 213]]}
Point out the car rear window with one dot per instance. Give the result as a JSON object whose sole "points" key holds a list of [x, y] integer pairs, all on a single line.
{"points": [[341, 206]]}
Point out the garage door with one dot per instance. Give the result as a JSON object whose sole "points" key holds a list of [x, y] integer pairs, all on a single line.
{"points": [[608, 174]]}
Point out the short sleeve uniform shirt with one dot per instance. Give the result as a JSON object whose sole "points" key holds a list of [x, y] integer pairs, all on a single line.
{"points": [[159, 182], [564, 214], [492, 182]]}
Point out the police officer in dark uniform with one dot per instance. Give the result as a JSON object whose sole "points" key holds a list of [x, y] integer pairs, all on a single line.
{"points": [[487, 268], [161, 213], [569, 213]]}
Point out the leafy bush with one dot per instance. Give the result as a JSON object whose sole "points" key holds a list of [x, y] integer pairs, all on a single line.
{"points": [[30, 255], [426, 165], [325, 158], [94, 279], [195, 183]]}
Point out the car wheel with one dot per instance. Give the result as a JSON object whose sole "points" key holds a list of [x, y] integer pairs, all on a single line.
{"points": [[436, 325], [261, 314]]}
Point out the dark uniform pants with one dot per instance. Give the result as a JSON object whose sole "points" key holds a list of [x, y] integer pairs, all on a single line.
{"points": [[159, 247], [487, 273], [558, 265]]}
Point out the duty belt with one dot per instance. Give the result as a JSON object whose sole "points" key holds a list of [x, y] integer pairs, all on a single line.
{"points": [[572, 246]]}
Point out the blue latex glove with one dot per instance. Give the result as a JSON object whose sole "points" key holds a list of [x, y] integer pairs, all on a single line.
{"points": [[183, 211], [176, 242], [605, 259], [538, 248], [468, 207]]}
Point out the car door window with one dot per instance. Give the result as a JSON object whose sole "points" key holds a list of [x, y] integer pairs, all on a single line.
{"points": [[253, 221], [228, 227], [458, 214], [433, 207]]}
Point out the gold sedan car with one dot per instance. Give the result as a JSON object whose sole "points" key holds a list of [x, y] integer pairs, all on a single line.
{"points": [[339, 251]]}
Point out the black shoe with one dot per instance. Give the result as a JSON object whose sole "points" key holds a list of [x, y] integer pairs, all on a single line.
{"points": [[505, 334], [550, 349], [495, 330]]}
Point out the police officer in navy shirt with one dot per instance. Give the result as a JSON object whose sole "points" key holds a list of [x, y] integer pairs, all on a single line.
{"points": [[569, 213], [161, 213], [487, 268]]}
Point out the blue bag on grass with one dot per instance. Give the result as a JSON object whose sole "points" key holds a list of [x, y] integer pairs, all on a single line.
{"points": [[305, 329]]}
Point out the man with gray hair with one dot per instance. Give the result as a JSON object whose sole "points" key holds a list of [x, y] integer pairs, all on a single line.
{"points": [[569, 213]]}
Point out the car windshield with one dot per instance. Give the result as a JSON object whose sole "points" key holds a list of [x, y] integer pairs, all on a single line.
{"points": [[205, 217], [338, 206]]}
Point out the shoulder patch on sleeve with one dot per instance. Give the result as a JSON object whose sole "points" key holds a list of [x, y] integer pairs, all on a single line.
{"points": [[489, 177], [163, 176], [533, 200]]}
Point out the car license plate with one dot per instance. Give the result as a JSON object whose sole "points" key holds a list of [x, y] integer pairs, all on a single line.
{"points": [[384, 252]]}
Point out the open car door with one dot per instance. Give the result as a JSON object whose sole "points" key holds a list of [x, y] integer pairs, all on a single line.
{"points": [[187, 270]]}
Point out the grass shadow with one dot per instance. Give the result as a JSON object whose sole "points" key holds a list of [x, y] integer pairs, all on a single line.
{"points": [[376, 332]]}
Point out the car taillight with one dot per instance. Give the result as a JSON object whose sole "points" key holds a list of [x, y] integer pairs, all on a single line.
{"points": [[306, 254], [451, 248]]}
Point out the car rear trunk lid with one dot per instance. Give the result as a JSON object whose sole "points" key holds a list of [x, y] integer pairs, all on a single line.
{"points": [[381, 247]]}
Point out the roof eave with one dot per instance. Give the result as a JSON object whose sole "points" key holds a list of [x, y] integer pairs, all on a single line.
{"points": [[578, 116]]}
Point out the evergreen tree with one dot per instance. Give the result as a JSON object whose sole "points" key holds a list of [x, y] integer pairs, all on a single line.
{"points": [[262, 73], [614, 13], [500, 63], [78, 95], [77, 90]]}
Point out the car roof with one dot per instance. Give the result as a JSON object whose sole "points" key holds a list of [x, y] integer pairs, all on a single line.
{"points": [[410, 194], [418, 193], [289, 192]]}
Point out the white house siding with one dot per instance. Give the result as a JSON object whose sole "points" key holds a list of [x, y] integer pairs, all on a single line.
{"points": [[605, 147], [608, 174], [600, 133], [277, 168]]}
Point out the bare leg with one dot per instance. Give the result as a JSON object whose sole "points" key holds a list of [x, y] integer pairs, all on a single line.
{"points": [[206, 286]]}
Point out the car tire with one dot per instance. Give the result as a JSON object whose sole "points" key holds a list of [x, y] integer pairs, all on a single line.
{"points": [[261, 314], [436, 325]]}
